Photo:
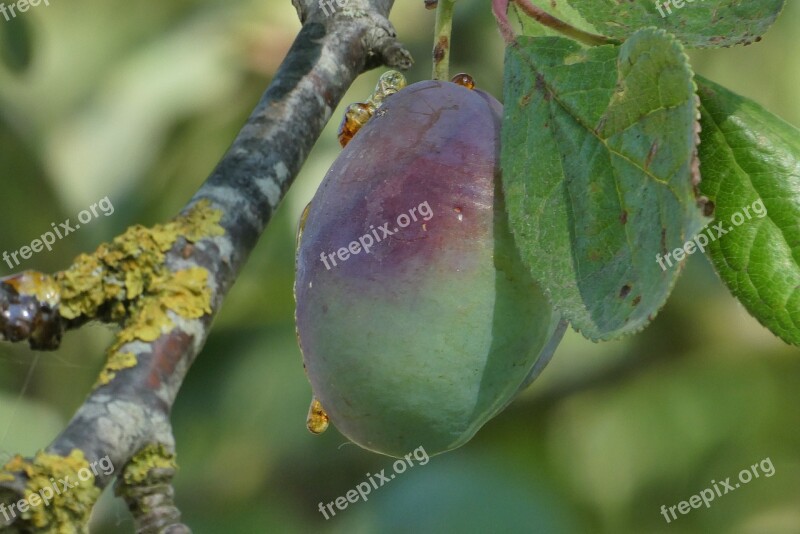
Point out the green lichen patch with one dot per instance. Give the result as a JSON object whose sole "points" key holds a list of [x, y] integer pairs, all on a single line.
{"points": [[140, 468], [60, 491]]}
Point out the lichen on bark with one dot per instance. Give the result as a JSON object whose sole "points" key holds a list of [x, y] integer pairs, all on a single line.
{"points": [[141, 466], [69, 508]]}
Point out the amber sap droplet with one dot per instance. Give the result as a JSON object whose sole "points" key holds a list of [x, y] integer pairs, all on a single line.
{"points": [[464, 79], [355, 117], [317, 421], [389, 83], [359, 113]]}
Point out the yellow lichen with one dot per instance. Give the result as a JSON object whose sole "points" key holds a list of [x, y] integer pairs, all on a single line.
{"points": [[128, 278], [154, 455], [116, 362], [126, 269], [67, 509]]}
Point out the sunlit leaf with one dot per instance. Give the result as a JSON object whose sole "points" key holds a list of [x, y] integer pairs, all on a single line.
{"points": [[751, 171]]}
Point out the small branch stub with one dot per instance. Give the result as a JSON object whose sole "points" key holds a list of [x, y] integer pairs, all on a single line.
{"points": [[146, 486]]}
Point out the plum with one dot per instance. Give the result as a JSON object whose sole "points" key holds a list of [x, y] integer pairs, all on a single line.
{"points": [[417, 319]]}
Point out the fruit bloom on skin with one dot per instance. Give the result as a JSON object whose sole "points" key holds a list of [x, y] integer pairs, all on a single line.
{"points": [[424, 338]]}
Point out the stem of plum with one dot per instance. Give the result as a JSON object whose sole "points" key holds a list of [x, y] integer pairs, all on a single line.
{"points": [[441, 43]]}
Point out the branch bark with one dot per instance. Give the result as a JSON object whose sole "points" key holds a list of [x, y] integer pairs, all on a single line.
{"points": [[165, 284]]}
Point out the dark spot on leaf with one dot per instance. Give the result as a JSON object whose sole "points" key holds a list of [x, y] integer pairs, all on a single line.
{"points": [[651, 154], [623, 218], [708, 207], [637, 300], [600, 125], [624, 291], [541, 86], [324, 308]]}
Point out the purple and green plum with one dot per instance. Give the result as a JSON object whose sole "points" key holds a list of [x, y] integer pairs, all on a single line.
{"points": [[417, 319]]}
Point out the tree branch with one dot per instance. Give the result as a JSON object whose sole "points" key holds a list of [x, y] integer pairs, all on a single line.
{"points": [[164, 285]]}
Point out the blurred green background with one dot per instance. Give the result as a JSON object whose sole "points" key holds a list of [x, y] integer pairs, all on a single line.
{"points": [[139, 101]]}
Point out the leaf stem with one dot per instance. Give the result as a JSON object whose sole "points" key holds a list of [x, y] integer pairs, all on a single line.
{"points": [[500, 10], [546, 19], [441, 43]]}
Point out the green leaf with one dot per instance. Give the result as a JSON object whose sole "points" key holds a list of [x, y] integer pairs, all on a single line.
{"points": [[697, 24], [751, 171], [598, 154]]}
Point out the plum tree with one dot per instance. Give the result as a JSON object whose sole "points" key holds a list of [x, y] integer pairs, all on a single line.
{"points": [[417, 319]]}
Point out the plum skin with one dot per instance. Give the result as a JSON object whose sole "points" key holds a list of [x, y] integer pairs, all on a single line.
{"points": [[422, 340]]}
